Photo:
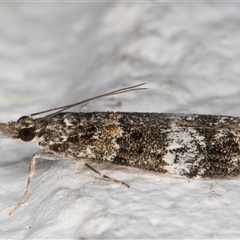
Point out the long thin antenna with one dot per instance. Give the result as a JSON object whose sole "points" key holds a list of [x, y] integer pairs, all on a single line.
{"points": [[115, 92]]}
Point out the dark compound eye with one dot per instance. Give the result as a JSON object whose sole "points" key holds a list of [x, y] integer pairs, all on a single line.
{"points": [[27, 134]]}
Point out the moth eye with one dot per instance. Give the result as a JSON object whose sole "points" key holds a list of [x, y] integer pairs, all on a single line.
{"points": [[27, 134]]}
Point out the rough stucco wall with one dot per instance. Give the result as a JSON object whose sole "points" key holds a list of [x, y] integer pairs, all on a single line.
{"points": [[53, 54]]}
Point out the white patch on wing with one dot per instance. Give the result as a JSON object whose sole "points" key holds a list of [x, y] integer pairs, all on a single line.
{"points": [[182, 149], [67, 122]]}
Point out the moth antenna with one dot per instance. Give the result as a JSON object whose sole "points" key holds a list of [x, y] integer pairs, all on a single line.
{"points": [[115, 92]]}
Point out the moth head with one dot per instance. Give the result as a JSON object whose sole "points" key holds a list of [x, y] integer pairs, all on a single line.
{"points": [[23, 128]]}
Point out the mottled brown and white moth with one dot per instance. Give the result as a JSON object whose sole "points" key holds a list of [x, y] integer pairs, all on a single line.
{"points": [[185, 145]]}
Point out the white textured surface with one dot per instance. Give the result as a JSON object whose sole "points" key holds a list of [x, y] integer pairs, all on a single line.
{"points": [[53, 54]]}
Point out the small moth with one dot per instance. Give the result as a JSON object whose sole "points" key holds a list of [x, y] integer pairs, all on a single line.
{"points": [[183, 145]]}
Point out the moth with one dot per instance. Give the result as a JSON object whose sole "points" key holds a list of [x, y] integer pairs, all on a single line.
{"points": [[182, 145]]}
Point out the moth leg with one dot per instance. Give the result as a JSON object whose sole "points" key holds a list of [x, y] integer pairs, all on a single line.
{"points": [[31, 171], [82, 161], [106, 177], [76, 167]]}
